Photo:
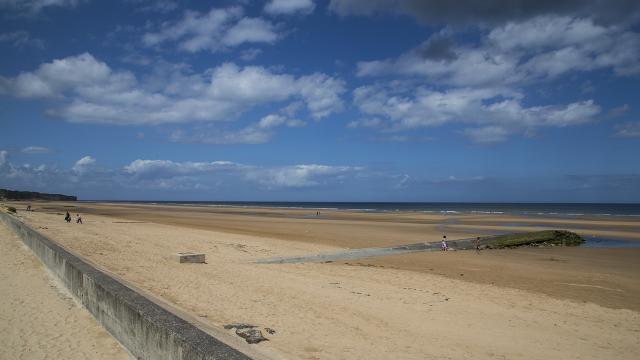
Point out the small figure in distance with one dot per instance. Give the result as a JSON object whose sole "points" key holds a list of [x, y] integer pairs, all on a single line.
{"points": [[477, 242], [67, 217], [29, 207], [78, 219], [444, 243]]}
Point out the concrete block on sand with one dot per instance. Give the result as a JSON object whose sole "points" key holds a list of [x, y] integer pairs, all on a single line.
{"points": [[190, 257]]}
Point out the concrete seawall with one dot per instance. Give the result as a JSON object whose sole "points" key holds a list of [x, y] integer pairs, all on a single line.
{"points": [[145, 329]]}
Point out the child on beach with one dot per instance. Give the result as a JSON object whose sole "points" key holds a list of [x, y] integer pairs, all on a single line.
{"points": [[444, 243], [78, 219], [477, 242]]}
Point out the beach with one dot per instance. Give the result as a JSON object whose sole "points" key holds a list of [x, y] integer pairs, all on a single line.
{"points": [[527, 303], [38, 318]]}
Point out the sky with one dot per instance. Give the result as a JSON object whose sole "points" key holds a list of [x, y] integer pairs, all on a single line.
{"points": [[309, 100]]}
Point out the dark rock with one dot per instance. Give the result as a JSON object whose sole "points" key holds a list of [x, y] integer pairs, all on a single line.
{"points": [[270, 330], [252, 336]]}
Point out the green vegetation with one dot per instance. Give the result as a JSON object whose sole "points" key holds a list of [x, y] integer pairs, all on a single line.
{"points": [[11, 209], [31, 195], [537, 238]]}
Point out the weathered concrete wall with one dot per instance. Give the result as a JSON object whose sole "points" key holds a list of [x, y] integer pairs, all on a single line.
{"points": [[147, 330]]}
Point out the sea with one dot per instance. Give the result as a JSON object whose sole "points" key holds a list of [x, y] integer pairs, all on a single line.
{"points": [[539, 209]]}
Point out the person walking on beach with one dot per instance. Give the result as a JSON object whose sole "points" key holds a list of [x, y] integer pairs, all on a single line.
{"points": [[477, 243], [67, 217], [78, 219], [444, 243]]}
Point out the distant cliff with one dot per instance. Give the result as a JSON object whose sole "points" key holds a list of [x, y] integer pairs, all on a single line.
{"points": [[31, 195]]}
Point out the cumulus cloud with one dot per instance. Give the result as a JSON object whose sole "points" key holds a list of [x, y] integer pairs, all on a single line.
{"points": [[478, 81], [490, 11], [300, 175], [305, 175], [83, 164], [282, 7], [213, 31], [161, 169], [88, 90], [497, 111], [544, 47], [35, 150], [257, 133]]}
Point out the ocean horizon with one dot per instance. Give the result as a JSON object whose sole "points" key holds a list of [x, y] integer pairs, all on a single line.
{"points": [[541, 209]]}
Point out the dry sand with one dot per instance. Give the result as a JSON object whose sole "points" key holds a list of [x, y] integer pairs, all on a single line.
{"points": [[336, 311], [38, 319]]}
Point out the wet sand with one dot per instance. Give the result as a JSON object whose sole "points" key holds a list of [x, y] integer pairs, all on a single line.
{"points": [[347, 228], [38, 319], [525, 303]]}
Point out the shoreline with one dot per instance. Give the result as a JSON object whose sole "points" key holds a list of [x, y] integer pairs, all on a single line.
{"points": [[407, 208], [458, 225]]}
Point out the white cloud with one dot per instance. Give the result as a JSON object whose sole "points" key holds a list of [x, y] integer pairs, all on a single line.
{"points": [[541, 48], [250, 30], [282, 7], [305, 175], [367, 123], [4, 155], [36, 5], [250, 54], [487, 134], [258, 133], [82, 165], [252, 84], [618, 111], [213, 31], [88, 90], [21, 39], [546, 31], [497, 111], [255, 84], [247, 135], [35, 150], [321, 94], [161, 169], [71, 73], [487, 12], [274, 120], [300, 175], [469, 67], [630, 129]]}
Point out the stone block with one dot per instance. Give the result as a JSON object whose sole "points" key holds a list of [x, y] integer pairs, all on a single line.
{"points": [[189, 257]]}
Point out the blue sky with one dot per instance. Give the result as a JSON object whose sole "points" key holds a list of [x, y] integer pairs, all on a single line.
{"points": [[303, 100]]}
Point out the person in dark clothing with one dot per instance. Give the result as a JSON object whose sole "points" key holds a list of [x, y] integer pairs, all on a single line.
{"points": [[67, 217]]}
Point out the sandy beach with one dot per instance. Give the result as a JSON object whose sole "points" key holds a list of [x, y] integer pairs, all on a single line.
{"points": [[569, 303], [38, 318]]}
